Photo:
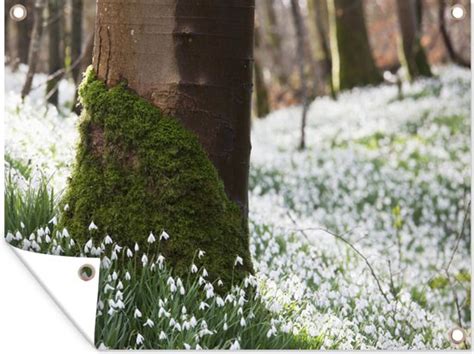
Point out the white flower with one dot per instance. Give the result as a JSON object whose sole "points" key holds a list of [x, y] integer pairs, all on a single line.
{"points": [[225, 327], [220, 283], [9, 237], [108, 240], [204, 272], [235, 345], [65, 233], [92, 226], [238, 260], [194, 269], [129, 253], [53, 221], [164, 235], [136, 247], [144, 260], [151, 238], [149, 323], [137, 313], [272, 331], [66, 207], [47, 239], [23, 225], [140, 339], [219, 301], [187, 346], [89, 244], [128, 276], [203, 306], [198, 347], [201, 253], [242, 321]]}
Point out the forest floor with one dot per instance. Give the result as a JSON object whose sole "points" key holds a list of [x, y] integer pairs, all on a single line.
{"points": [[360, 241]]}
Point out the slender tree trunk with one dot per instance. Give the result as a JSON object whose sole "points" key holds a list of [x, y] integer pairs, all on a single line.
{"points": [[23, 29], [35, 44], [54, 54], [261, 93], [453, 55], [270, 24], [165, 139], [76, 37], [318, 29], [300, 40], [352, 61], [412, 54]]}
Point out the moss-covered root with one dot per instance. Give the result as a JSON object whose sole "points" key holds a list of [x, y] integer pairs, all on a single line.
{"points": [[138, 171]]}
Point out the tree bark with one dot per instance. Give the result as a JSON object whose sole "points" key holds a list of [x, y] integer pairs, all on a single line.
{"points": [[453, 55], [318, 29], [194, 61], [23, 39], [261, 93], [300, 40], [352, 61], [35, 44], [54, 53], [270, 24], [82, 62], [411, 52], [76, 37]]}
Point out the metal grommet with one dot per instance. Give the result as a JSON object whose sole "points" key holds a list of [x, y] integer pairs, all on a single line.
{"points": [[86, 272], [458, 12], [18, 12], [457, 335]]}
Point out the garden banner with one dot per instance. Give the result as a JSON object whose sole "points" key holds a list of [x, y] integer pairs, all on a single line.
{"points": [[244, 174]]}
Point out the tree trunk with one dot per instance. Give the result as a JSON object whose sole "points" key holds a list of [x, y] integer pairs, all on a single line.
{"points": [[23, 39], [35, 44], [54, 54], [300, 40], [453, 55], [318, 29], [82, 63], [271, 28], [261, 93], [76, 37], [412, 55], [158, 154], [352, 61]]}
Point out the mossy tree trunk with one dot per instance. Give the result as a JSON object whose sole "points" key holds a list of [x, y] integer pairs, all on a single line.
{"points": [[262, 107], [165, 131], [319, 40], [411, 52], [352, 61]]}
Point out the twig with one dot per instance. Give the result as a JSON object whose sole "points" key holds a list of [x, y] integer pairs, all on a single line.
{"points": [[340, 237]]}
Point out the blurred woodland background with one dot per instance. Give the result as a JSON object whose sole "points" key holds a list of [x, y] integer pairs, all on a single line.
{"points": [[294, 42]]}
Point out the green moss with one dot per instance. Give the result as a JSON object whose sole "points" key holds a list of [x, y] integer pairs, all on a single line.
{"points": [[138, 171]]}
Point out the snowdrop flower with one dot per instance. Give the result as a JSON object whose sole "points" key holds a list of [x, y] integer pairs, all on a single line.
{"points": [[47, 239], [144, 260], [235, 345], [129, 253], [65, 232], [128, 276], [198, 347], [53, 221], [89, 244], [193, 322], [9, 237], [271, 332], [219, 301], [201, 253], [162, 335], [136, 247], [18, 236], [204, 272], [137, 313], [149, 323], [23, 225], [92, 226], [183, 310], [66, 207], [203, 306], [238, 260], [187, 346], [242, 322], [151, 238], [194, 269], [71, 242], [106, 262], [225, 326], [164, 235], [177, 327], [220, 283], [117, 248], [108, 240], [114, 256], [140, 339], [108, 288]]}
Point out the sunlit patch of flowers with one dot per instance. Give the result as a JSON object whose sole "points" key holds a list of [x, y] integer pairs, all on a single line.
{"points": [[391, 177]]}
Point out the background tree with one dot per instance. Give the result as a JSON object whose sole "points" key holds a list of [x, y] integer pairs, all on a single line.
{"points": [[35, 44], [262, 107], [55, 8], [300, 39], [412, 54], [170, 151], [76, 38], [352, 62], [318, 30]]}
